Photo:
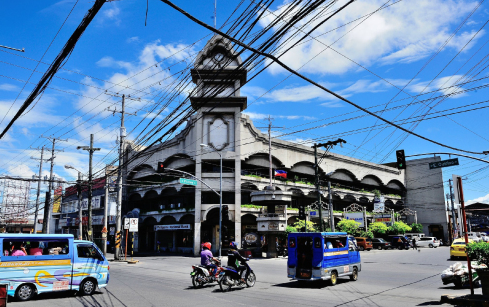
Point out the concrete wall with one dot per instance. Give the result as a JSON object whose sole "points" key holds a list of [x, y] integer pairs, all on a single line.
{"points": [[425, 193]]}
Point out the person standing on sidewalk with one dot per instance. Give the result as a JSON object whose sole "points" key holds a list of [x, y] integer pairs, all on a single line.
{"points": [[414, 244]]}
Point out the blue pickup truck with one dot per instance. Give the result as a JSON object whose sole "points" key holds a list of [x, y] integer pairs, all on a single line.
{"points": [[322, 256]]}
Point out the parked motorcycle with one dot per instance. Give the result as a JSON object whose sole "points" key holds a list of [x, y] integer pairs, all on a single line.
{"points": [[202, 275], [282, 251], [229, 277]]}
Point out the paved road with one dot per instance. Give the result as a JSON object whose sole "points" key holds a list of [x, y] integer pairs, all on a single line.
{"points": [[388, 278]]}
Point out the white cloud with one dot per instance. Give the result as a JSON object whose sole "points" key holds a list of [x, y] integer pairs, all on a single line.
{"points": [[404, 32], [40, 115], [445, 85], [483, 199], [259, 116], [144, 74], [133, 39], [113, 12], [21, 170], [8, 87]]}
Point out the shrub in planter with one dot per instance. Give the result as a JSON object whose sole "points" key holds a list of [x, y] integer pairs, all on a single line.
{"points": [[479, 251]]}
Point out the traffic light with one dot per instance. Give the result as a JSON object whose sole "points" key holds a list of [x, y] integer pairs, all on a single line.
{"points": [[302, 212], [401, 159], [160, 168], [225, 213]]}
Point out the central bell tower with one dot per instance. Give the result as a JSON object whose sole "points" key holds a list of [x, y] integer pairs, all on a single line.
{"points": [[218, 77]]}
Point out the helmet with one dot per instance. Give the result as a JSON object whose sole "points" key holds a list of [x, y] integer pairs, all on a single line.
{"points": [[233, 245], [207, 245]]}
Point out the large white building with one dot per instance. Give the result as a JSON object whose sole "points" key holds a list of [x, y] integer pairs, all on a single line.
{"points": [[180, 217]]}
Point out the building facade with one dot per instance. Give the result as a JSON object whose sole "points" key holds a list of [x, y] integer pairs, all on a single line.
{"points": [[178, 217]]}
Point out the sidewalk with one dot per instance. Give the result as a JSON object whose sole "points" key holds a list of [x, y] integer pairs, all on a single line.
{"points": [[477, 300]]}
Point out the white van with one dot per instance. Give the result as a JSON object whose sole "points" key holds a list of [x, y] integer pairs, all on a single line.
{"points": [[415, 235]]}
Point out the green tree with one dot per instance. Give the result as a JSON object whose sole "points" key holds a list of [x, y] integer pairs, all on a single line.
{"points": [[366, 234], [311, 227], [399, 228], [349, 226], [418, 228], [378, 228]]}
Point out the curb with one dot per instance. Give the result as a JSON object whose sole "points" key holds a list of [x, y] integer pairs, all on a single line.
{"points": [[477, 300]]}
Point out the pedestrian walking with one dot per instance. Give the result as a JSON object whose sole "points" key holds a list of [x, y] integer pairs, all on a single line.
{"points": [[414, 244]]}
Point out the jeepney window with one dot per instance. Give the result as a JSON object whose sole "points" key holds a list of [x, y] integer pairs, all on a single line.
{"points": [[34, 248], [292, 243], [328, 244], [317, 242], [85, 251]]}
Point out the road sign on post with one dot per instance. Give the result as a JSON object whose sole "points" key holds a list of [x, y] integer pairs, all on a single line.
{"points": [[444, 163], [126, 223], [188, 181], [133, 225]]}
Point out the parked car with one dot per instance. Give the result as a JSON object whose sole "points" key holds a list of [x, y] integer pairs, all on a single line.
{"points": [[400, 242], [457, 249], [364, 243], [380, 243], [417, 235], [430, 242], [474, 236]]}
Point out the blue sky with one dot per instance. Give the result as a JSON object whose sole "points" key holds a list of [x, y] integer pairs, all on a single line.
{"points": [[382, 60]]}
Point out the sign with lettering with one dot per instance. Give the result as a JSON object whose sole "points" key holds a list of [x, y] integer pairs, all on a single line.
{"points": [[133, 224], [356, 216], [188, 181], [444, 163], [172, 227]]}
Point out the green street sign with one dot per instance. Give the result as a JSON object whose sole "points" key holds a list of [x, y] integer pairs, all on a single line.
{"points": [[188, 181], [444, 163]]}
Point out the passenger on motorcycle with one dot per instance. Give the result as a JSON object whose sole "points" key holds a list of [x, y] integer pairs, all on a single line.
{"points": [[235, 259], [206, 258]]}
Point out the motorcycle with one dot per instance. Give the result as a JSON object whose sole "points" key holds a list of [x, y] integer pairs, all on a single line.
{"points": [[201, 275], [282, 251], [230, 277]]}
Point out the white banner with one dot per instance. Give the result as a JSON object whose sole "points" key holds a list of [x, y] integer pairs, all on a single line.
{"points": [[172, 227], [379, 205], [95, 203], [356, 216]]}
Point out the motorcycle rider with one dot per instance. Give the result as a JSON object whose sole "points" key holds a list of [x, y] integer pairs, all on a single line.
{"points": [[206, 258], [235, 259]]}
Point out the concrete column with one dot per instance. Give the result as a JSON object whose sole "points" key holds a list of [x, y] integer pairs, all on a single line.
{"points": [[174, 241], [198, 190], [237, 177]]}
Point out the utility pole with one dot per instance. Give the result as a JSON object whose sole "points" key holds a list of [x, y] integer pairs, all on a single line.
{"points": [[90, 150], [47, 203], [118, 220], [269, 127], [38, 188], [79, 189], [453, 209], [327, 146]]}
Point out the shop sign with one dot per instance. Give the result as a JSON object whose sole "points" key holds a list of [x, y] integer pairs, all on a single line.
{"points": [[384, 218], [95, 203], [172, 227], [251, 238], [379, 204], [251, 227], [97, 220], [63, 222], [356, 216]]}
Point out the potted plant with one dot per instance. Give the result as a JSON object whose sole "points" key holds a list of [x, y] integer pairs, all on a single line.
{"points": [[479, 251]]}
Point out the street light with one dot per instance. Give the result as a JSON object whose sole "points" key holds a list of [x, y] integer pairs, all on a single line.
{"points": [[220, 195], [80, 215]]}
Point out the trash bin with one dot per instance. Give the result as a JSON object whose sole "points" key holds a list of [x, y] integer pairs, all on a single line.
{"points": [[3, 295]]}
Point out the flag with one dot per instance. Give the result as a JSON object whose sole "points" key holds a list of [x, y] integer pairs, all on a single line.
{"points": [[282, 174]]}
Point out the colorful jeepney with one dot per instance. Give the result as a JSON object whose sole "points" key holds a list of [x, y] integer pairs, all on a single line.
{"points": [[33, 264], [322, 256]]}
